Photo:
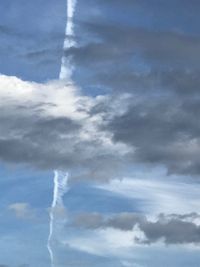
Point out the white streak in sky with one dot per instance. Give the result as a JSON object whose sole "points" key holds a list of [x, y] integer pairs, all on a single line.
{"points": [[60, 188], [66, 65], [60, 178]]}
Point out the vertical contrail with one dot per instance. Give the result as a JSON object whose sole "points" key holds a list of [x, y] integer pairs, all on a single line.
{"points": [[61, 178], [66, 65], [60, 188]]}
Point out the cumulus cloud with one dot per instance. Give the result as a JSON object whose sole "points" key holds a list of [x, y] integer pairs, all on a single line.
{"points": [[51, 126]]}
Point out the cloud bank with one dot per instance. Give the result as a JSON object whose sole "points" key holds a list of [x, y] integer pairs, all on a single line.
{"points": [[170, 229], [54, 125]]}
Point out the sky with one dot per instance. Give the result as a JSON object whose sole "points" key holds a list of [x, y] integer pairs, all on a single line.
{"points": [[122, 127]]}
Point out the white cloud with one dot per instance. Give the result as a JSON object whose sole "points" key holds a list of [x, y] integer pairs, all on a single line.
{"points": [[104, 242], [158, 193], [50, 99]]}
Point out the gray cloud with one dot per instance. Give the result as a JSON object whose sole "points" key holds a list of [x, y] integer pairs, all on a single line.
{"points": [[138, 60], [161, 131], [102, 134], [169, 48], [156, 124], [177, 82], [172, 228], [124, 221], [88, 220], [51, 126], [173, 232]]}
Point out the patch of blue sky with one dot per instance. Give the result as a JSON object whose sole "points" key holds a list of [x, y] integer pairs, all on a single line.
{"points": [[86, 198]]}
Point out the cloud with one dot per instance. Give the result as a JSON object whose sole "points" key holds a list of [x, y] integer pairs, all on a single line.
{"points": [[54, 125], [173, 231], [148, 116], [123, 221], [88, 220], [177, 82], [51, 126], [22, 210], [171, 228], [161, 131], [159, 69], [139, 59], [119, 44]]}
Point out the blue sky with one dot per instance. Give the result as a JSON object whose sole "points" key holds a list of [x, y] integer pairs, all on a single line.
{"points": [[125, 126]]}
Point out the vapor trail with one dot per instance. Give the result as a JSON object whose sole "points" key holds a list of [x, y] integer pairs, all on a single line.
{"points": [[66, 66], [61, 178], [60, 188]]}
